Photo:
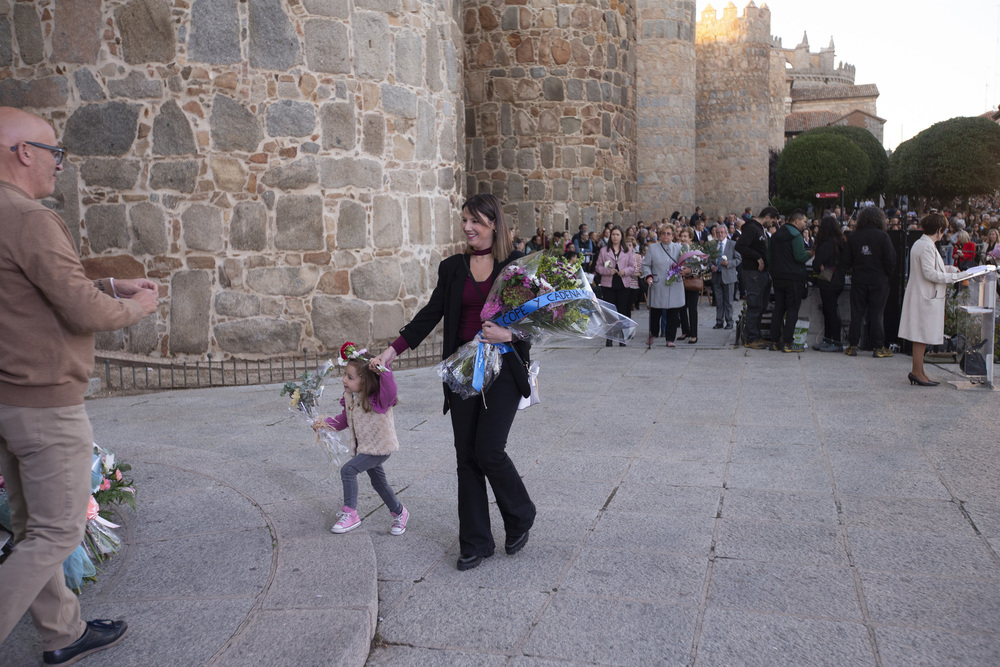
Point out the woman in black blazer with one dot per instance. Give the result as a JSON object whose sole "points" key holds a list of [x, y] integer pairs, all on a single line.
{"points": [[464, 281]]}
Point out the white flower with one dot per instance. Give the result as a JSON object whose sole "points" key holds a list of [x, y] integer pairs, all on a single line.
{"points": [[607, 264]]}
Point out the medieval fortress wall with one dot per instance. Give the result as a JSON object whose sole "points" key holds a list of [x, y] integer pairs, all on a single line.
{"points": [[290, 171]]}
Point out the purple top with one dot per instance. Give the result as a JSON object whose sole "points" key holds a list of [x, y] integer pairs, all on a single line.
{"points": [[471, 320], [384, 399]]}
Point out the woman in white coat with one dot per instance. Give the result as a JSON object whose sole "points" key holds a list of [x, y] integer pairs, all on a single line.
{"points": [[662, 298], [922, 318]]}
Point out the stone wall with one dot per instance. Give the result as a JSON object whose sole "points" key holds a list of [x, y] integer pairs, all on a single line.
{"points": [[736, 110], [550, 109], [665, 114], [289, 171]]}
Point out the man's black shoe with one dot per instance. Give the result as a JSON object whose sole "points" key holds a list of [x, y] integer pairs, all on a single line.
{"points": [[513, 545], [99, 635], [469, 562], [717, 326]]}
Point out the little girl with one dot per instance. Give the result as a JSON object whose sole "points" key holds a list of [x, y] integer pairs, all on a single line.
{"points": [[368, 399]]}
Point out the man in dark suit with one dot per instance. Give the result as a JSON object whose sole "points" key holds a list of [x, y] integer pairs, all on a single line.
{"points": [[723, 278]]}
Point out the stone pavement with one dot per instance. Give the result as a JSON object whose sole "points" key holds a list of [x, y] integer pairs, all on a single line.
{"points": [[702, 505]]}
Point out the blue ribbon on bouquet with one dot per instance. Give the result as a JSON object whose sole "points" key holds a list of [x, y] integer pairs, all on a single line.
{"points": [[516, 315]]}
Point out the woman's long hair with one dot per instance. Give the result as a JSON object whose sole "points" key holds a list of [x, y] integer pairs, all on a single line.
{"points": [[488, 206], [830, 228]]}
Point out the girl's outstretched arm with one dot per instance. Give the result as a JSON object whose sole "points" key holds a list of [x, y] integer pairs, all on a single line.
{"points": [[386, 396]]}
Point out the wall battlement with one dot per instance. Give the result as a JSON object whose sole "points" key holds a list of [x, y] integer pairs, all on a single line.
{"points": [[753, 27]]}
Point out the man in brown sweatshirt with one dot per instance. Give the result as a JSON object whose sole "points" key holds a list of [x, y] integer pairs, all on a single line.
{"points": [[49, 312]]}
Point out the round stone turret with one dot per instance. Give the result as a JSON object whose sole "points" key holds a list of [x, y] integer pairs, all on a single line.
{"points": [[550, 111]]}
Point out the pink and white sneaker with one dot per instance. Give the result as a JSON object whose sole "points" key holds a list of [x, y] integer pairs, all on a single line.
{"points": [[399, 522], [349, 520]]}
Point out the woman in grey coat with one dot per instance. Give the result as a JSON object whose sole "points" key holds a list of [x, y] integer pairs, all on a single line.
{"points": [[662, 298]]}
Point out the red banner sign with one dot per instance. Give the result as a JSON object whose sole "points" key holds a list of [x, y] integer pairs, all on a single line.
{"points": [[827, 195]]}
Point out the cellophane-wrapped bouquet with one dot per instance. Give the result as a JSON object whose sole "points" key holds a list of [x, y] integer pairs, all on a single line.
{"points": [[305, 396], [695, 260], [538, 297]]}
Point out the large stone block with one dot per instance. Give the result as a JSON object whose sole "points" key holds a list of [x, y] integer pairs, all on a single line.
{"points": [[409, 59], [338, 9], [181, 176], [215, 32], [87, 86], [378, 280], [371, 55], [248, 227], [426, 131], [387, 222], [6, 44], [106, 227], [234, 127], [299, 223], [142, 336], [201, 227], [327, 47], [446, 221], [286, 118], [340, 173], [336, 319], [147, 32], [190, 299], [135, 86], [420, 219], [339, 125], [413, 277], [373, 134], [284, 280], [102, 129], [387, 6], [237, 304], [432, 63], [28, 29], [293, 176], [171, 131], [352, 225], [76, 33], [44, 93], [399, 101], [387, 320], [118, 266], [65, 200], [228, 173], [272, 40], [149, 229], [259, 335]]}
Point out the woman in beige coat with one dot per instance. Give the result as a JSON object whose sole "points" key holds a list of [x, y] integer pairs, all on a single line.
{"points": [[922, 319]]}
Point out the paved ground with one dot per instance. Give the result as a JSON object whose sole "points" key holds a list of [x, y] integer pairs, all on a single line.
{"points": [[702, 505]]}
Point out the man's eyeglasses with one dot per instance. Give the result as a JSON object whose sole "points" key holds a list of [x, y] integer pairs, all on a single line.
{"points": [[57, 153]]}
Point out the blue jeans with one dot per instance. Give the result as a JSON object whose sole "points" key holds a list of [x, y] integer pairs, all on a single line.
{"points": [[373, 464]]}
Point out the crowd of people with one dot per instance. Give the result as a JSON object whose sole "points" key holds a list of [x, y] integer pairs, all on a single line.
{"points": [[767, 258]]}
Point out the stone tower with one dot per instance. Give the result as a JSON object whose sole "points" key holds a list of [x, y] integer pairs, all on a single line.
{"points": [[665, 114], [550, 110], [289, 171], [740, 108]]}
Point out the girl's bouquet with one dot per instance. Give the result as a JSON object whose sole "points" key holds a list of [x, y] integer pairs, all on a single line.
{"points": [[695, 260], [305, 395], [537, 297]]}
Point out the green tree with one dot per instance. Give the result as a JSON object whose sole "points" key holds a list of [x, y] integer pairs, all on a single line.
{"points": [[904, 168], [958, 158], [822, 162], [878, 162]]}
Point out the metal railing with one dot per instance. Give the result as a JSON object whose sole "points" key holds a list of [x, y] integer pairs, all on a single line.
{"points": [[123, 376]]}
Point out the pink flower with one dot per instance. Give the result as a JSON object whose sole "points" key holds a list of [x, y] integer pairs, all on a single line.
{"points": [[92, 509], [105, 484], [118, 475], [490, 310]]}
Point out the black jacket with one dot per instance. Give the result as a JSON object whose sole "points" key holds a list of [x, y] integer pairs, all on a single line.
{"points": [[446, 302], [826, 256], [787, 255], [869, 257], [752, 245]]}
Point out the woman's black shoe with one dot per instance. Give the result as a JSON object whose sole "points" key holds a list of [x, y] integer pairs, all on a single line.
{"points": [[98, 635], [608, 343], [469, 562], [915, 380], [514, 544]]}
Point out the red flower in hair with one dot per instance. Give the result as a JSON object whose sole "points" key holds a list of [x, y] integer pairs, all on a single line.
{"points": [[344, 348]]}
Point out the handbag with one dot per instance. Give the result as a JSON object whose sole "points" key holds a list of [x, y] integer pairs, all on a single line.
{"points": [[519, 370], [973, 362], [693, 283], [533, 399], [826, 275]]}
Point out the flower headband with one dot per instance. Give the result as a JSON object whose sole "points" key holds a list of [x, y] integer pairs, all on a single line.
{"points": [[350, 352]]}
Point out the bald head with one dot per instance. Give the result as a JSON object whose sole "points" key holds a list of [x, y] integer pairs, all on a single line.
{"points": [[29, 167]]}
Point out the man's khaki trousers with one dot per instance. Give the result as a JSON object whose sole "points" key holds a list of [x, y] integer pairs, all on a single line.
{"points": [[45, 456]]}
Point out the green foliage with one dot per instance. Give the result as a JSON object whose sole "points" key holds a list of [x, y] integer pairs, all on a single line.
{"points": [[954, 158], [822, 163], [878, 162], [120, 491]]}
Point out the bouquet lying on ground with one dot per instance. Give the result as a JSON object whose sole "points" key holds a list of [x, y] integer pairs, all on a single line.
{"points": [[695, 260], [537, 297], [305, 396]]}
